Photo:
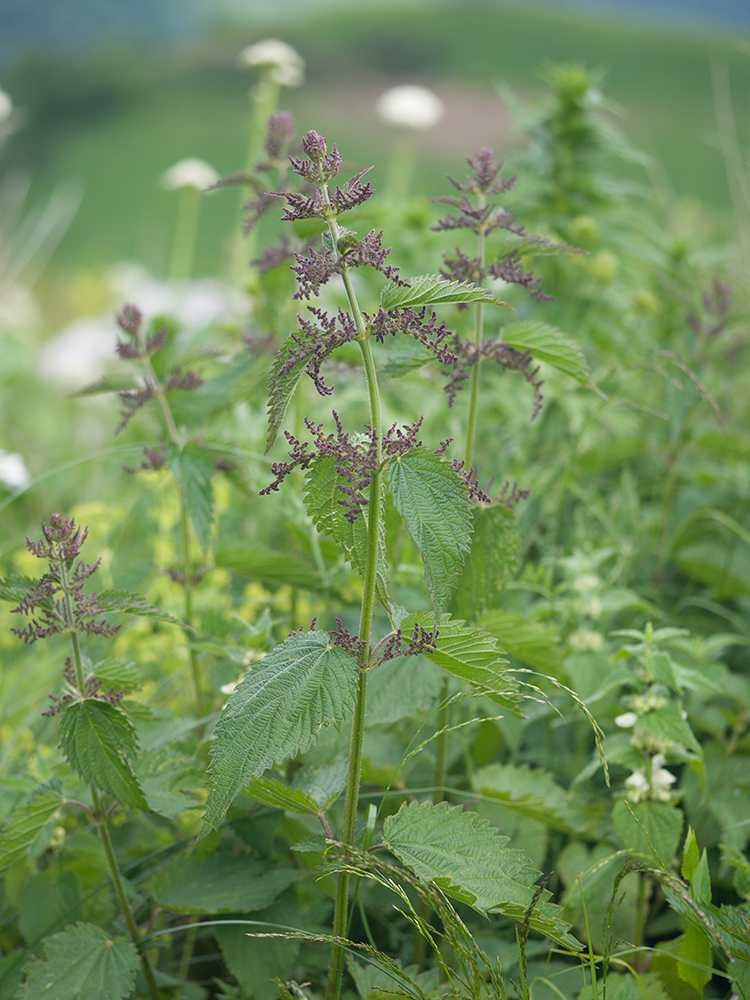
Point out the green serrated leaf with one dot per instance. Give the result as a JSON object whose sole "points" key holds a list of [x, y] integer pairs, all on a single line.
{"points": [[432, 290], [266, 565], [669, 724], [550, 345], [125, 603], [529, 639], [648, 828], [690, 857], [272, 792], [193, 467], [108, 383], [467, 858], [99, 742], [661, 668], [469, 653], [281, 386], [218, 883], [257, 963], [322, 496], [700, 885], [81, 963], [432, 500], [14, 588], [409, 357], [119, 674], [26, 823], [491, 562], [278, 710], [532, 793], [694, 964]]}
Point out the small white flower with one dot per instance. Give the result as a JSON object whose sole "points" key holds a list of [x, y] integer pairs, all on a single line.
{"points": [[410, 107], [13, 472], [6, 106], [189, 173], [80, 353], [283, 64], [229, 688], [637, 785], [661, 779], [627, 720]]}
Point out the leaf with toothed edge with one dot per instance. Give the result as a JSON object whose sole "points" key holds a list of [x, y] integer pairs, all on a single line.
{"points": [[82, 962], [322, 499], [431, 498], [433, 290], [27, 821], [550, 345], [99, 743], [466, 857], [276, 711]]}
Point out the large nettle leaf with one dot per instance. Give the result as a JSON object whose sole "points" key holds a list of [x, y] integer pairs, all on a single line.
{"points": [[532, 793], [550, 345], [82, 963], [528, 638], [492, 560], [467, 858], [276, 711], [27, 821], [193, 468], [432, 290], [469, 653], [99, 742], [322, 499], [431, 498], [218, 883]]}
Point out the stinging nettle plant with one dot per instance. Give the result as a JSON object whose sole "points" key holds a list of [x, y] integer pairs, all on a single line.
{"points": [[316, 679]]}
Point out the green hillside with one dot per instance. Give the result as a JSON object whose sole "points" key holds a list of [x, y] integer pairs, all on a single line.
{"points": [[193, 102]]}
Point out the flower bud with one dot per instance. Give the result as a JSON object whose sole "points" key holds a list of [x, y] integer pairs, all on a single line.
{"points": [[189, 173], [281, 63]]}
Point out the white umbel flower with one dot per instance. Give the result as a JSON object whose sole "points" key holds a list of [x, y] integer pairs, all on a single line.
{"points": [[409, 106], [283, 64], [6, 106], [13, 471], [189, 173]]}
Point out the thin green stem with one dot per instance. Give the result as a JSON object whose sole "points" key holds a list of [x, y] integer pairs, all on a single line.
{"points": [[471, 427], [367, 611], [185, 234], [187, 561]]}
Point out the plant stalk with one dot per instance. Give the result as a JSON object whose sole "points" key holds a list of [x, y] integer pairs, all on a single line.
{"points": [[367, 612], [471, 427]]}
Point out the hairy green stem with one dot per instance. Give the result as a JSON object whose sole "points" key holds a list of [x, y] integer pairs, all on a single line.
{"points": [[471, 427], [367, 612], [99, 814], [187, 561]]}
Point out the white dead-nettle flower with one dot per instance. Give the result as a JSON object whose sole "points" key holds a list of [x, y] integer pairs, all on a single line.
{"points": [[637, 785], [13, 471], [189, 173], [658, 789], [627, 720], [410, 107], [282, 64], [6, 106]]}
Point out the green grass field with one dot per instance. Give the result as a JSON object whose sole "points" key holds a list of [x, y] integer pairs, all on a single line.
{"points": [[194, 103]]}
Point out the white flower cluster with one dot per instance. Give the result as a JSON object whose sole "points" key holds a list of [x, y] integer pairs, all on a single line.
{"points": [[279, 62], [657, 789], [410, 107], [13, 471], [189, 173]]}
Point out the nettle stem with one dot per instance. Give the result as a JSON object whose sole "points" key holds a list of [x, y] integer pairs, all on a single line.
{"points": [[187, 559], [100, 815], [367, 611], [476, 370]]}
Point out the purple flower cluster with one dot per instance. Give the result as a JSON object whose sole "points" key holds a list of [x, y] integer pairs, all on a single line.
{"points": [[91, 689], [61, 548], [508, 358], [484, 180], [355, 459]]}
